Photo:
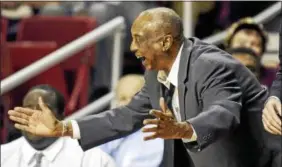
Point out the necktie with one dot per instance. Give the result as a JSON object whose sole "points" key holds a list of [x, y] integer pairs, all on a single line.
{"points": [[38, 158], [167, 94], [175, 154]]}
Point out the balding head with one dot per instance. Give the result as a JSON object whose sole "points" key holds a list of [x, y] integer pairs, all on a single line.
{"points": [[162, 21], [127, 87], [157, 35], [54, 100]]}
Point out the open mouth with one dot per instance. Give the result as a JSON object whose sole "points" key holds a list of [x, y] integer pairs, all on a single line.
{"points": [[141, 58]]}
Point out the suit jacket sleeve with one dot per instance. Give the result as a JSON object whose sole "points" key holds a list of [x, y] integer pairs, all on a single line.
{"points": [[221, 99], [112, 124], [276, 88]]}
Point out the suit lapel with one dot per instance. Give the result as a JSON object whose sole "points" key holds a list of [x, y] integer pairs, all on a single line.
{"points": [[183, 76]]}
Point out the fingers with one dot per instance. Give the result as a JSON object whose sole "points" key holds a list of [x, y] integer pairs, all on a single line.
{"points": [[17, 114], [19, 120], [270, 127], [23, 128], [153, 136], [161, 115], [163, 104], [151, 121], [152, 129], [26, 111], [272, 117], [267, 129]]}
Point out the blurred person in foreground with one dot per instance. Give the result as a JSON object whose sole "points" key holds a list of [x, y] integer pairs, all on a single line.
{"points": [[194, 93], [249, 34], [132, 150], [35, 151]]}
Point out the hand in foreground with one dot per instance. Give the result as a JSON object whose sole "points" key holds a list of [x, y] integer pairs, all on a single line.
{"points": [[37, 122], [270, 117], [165, 126]]}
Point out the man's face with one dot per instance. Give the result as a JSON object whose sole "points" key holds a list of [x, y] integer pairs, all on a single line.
{"points": [[147, 43], [249, 39], [248, 61]]}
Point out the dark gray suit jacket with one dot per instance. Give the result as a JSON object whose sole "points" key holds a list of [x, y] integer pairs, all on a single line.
{"points": [[274, 142], [276, 88], [219, 96]]}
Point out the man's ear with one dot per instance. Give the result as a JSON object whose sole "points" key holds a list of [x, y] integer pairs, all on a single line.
{"points": [[167, 43]]}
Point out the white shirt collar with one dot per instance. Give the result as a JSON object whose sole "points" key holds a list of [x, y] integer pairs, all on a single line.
{"points": [[172, 77], [50, 152]]}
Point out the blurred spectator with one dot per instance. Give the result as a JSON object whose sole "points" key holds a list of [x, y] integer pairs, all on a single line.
{"points": [[53, 9], [15, 11], [248, 58], [246, 33], [34, 151], [133, 151]]}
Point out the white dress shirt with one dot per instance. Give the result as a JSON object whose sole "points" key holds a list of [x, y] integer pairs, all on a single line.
{"points": [[133, 151], [171, 78], [63, 152]]}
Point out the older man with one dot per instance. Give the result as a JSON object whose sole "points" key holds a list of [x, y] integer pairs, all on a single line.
{"points": [[194, 93]]}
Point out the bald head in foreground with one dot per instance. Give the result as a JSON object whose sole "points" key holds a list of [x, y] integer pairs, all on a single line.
{"points": [[194, 93]]}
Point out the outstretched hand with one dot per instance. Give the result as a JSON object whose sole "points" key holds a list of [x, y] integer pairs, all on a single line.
{"points": [[37, 122], [165, 126]]}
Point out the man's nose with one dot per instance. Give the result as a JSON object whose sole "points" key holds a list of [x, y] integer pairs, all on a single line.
{"points": [[133, 47]]}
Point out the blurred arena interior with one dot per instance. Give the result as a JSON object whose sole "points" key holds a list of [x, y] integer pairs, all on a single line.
{"points": [[82, 48]]}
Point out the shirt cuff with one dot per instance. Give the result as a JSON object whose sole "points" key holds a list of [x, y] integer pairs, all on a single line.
{"points": [[193, 138], [75, 130]]}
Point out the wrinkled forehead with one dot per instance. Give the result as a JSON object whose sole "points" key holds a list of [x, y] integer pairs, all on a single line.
{"points": [[144, 25], [247, 33]]}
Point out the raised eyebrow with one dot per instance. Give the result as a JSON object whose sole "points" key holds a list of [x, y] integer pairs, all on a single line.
{"points": [[137, 35]]}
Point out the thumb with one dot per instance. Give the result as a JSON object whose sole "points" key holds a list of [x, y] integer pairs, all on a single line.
{"points": [[163, 104], [42, 105]]}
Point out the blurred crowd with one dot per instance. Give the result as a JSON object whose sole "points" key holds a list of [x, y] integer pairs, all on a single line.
{"points": [[246, 40]]}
